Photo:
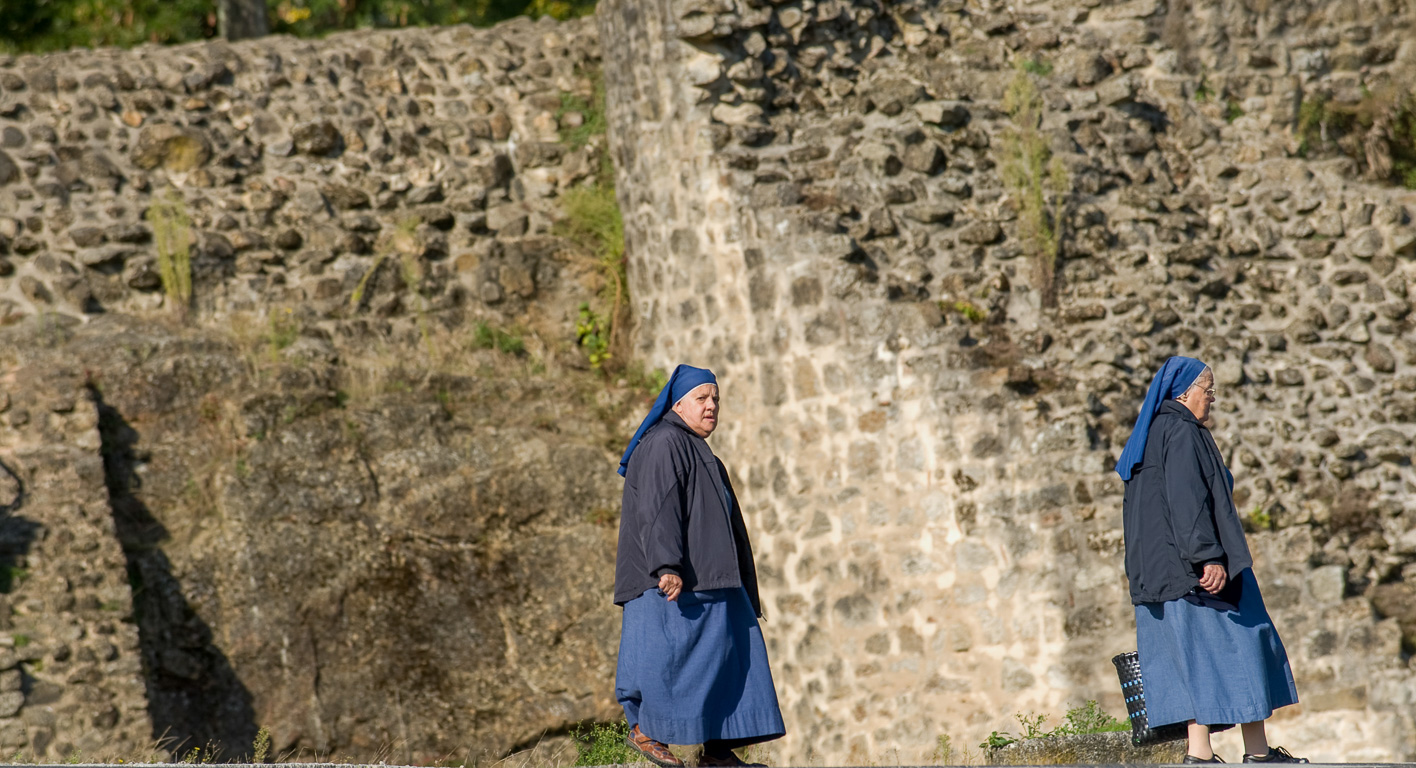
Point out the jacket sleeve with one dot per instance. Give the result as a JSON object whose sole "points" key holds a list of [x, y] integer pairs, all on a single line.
{"points": [[662, 537], [1187, 494]]}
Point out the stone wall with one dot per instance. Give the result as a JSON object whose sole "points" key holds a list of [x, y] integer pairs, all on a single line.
{"points": [[923, 415], [326, 479], [308, 171], [921, 412], [72, 680], [386, 578]]}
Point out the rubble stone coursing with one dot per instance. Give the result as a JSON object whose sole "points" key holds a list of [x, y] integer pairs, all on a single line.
{"points": [[72, 679], [297, 162], [924, 442], [813, 208], [426, 553]]}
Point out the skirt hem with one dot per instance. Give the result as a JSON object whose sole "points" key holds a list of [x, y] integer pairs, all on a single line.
{"points": [[1224, 716], [763, 726]]}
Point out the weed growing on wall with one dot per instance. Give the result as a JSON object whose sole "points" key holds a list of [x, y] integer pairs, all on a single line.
{"points": [[487, 337], [592, 114], [1089, 718], [1038, 180], [1203, 91], [996, 740], [1037, 67], [282, 329], [971, 311], [594, 224], [357, 297], [172, 233], [11, 576], [592, 333], [1378, 131], [1258, 519], [1232, 111], [1079, 721]]}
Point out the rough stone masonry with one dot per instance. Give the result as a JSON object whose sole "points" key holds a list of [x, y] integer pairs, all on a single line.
{"points": [[927, 421], [208, 531], [922, 412]]}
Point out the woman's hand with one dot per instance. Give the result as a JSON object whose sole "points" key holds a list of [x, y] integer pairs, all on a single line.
{"points": [[671, 585], [1212, 581]]}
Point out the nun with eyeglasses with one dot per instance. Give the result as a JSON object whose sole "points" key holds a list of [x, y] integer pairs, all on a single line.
{"points": [[1208, 651], [692, 665]]}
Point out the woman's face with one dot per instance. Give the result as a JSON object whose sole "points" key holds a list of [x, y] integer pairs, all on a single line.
{"points": [[1200, 396], [699, 409]]}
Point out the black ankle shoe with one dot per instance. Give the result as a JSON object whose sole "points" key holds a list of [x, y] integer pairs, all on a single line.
{"points": [[1191, 759], [1275, 755]]}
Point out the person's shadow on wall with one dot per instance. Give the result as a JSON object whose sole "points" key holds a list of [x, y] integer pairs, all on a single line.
{"points": [[16, 534], [195, 699]]}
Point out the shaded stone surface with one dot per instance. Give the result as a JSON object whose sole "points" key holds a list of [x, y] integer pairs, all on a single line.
{"points": [[1088, 749]]}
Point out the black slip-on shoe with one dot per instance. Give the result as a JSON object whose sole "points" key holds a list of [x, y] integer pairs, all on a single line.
{"points": [[729, 760], [1191, 759], [1275, 755]]}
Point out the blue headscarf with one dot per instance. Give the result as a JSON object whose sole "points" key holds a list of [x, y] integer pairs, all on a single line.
{"points": [[683, 380], [1170, 382]]}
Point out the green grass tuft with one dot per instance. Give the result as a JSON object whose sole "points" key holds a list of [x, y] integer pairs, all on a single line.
{"points": [[593, 222], [12, 576], [969, 310], [593, 113], [1089, 718], [1232, 111], [1079, 721], [261, 746], [603, 744], [172, 234], [486, 337], [1037, 67], [1038, 181], [283, 328], [1203, 91]]}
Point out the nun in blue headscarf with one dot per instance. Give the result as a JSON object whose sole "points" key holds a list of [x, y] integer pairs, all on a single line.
{"points": [[1209, 653], [692, 664]]}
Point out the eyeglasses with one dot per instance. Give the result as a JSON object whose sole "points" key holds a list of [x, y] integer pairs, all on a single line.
{"points": [[1211, 391]]}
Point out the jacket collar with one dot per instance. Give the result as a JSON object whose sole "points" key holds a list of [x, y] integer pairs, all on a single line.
{"points": [[1176, 408], [705, 452], [677, 421]]}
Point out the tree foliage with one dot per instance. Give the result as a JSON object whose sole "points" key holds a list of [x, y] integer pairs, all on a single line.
{"points": [[47, 25]]}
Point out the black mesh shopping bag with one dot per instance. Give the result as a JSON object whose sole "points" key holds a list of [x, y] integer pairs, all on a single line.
{"points": [[1128, 669]]}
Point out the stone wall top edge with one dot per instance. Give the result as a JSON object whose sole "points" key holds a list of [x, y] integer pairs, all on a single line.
{"points": [[519, 25]]}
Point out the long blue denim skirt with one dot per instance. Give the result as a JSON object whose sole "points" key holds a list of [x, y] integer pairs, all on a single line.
{"points": [[1212, 666], [695, 670]]}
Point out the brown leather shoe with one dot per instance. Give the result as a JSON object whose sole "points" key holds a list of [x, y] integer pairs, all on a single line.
{"points": [[656, 752]]}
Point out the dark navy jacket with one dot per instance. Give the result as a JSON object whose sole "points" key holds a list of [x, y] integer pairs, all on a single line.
{"points": [[1179, 510], [680, 515]]}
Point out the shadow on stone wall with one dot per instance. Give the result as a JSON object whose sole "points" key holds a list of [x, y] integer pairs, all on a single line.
{"points": [[195, 698], [16, 534]]}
